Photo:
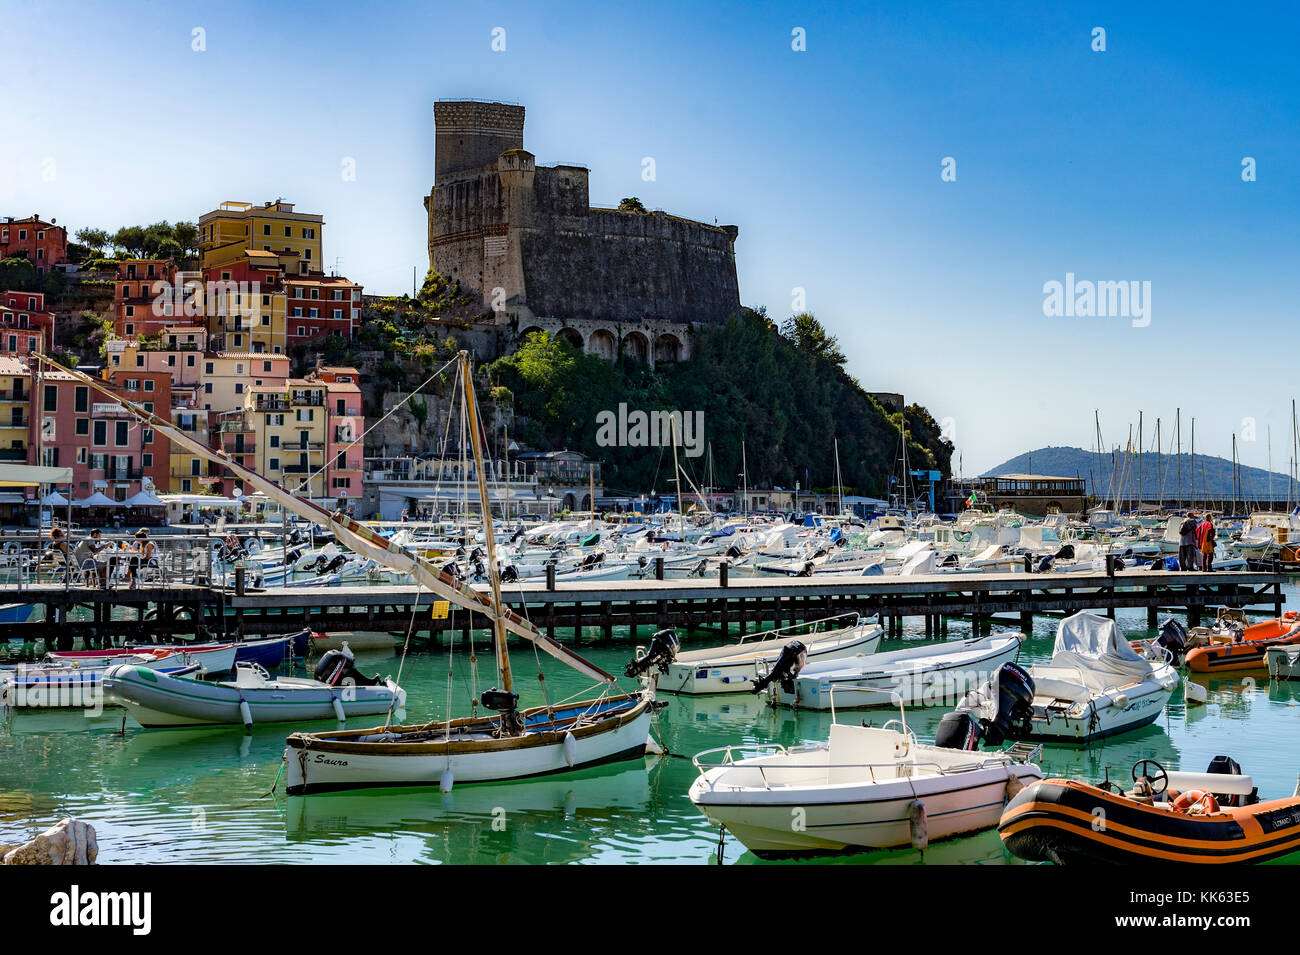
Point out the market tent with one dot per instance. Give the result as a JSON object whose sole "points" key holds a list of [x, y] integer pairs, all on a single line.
{"points": [[98, 499], [143, 499], [30, 475], [54, 499]]}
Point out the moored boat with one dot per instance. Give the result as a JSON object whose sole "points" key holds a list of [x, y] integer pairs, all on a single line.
{"points": [[736, 668], [930, 675], [1244, 648], [157, 700], [1210, 818], [865, 788], [1283, 662]]}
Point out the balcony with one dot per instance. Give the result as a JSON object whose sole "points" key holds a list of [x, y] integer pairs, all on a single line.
{"points": [[234, 427], [13, 454], [246, 447], [15, 423], [304, 446], [272, 404]]}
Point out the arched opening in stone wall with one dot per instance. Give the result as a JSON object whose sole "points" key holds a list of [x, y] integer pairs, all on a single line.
{"points": [[572, 336], [603, 343], [530, 330], [668, 348], [636, 347]]}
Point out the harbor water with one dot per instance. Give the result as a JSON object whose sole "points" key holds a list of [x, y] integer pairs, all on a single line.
{"points": [[213, 795]]}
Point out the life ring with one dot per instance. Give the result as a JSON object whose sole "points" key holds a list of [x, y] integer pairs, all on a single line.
{"points": [[1196, 802], [1291, 615]]}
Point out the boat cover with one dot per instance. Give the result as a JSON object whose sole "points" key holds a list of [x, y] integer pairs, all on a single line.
{"points": [[1095, 646]]}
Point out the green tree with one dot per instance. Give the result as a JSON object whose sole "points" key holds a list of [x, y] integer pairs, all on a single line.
{"points": [[187, 234], [631, 204], [810, 336], [96, 240], [19, 275], [130, 239]]}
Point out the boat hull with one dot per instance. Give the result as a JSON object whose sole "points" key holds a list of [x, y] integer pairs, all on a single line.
{"points": [[336, 762], [158, 701], [737, 676], [861, 817], [1283, 663], [1248, 654], [1056, 821]]}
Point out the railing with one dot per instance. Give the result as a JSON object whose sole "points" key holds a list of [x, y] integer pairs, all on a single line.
{"points": [[272, 404], [304, 446]]}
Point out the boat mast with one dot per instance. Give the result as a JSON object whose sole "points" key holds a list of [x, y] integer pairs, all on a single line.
{"points": [[744, 477], [1178, 430], [494, 578], [839, 485], [677, 476]]}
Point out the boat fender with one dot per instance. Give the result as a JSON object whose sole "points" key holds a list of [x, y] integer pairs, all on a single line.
{"points": [[652, 745], [917, 826], [1196, 802], [338, 709], [1120, 700], [246, 715], [570, 749], [445, 783], [1014, 785]]}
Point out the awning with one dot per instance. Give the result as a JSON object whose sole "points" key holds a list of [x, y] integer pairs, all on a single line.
{"points": [[10, 497], [96, 500], [30, 475], [54, 499], [143, 499]]}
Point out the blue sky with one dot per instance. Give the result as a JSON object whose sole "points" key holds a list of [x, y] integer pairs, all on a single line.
{"points": [[1116, 165]]}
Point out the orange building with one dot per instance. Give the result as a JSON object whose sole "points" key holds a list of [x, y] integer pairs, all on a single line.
{"points": [[43, 243]]}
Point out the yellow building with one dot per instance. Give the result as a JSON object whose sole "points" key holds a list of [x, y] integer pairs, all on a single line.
{"points": [[188, 473], [228, 231], [246, 304], [288, 426], [229, 377], [15, 395]]}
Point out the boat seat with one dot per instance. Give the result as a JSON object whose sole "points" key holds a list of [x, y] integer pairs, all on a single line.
{"points": [[1224, 783]]}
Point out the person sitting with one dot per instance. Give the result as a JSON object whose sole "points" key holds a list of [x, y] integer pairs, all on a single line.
{"points": [[58, 549], [144, 555], [87, 555]]}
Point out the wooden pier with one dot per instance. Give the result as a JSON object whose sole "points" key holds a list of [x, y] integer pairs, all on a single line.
{"points": [[592, 610]]}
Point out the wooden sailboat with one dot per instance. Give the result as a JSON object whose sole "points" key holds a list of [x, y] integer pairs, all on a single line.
{"points": [[510, 744]]}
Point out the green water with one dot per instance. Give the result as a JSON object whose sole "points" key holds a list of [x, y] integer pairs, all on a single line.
{"points": [[200, 795]]}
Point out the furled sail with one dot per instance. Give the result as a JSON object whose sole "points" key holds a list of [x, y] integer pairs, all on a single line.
{"points": [[358, 537]]}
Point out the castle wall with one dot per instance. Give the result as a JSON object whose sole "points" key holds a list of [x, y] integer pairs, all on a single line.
{"points": [[498, 223]]}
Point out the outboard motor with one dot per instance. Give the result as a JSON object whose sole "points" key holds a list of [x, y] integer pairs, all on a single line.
{"points": [[733, 552], [509, 574], [793, 656], [452, 569], [507, 704], [1066, 552], [699, 569], [1173, 637], [1045, 564], [999, 710], [338, 668], [661, 652], [1226, 765], [338, 561]]}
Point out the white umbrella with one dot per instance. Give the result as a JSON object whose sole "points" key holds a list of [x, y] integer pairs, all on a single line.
{"points": [[54, 499], [98, 499], [143, 499]]}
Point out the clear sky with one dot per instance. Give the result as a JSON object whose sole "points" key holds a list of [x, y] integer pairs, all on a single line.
{"points": [[1122, 165]]}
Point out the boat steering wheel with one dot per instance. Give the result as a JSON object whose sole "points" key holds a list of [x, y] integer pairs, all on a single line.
{"points": [[1160, 776]]}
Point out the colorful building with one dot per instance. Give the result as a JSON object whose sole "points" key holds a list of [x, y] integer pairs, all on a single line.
{"points": [[20, 314], [15, 413], [228, 232], [288, 425], [42, 243], [245, 304], [319, 305], [94, 435], [228, 377], [345, 426], [153, 391]]}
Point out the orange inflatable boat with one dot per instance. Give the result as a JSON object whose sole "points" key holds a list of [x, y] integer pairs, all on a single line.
{"points": [[1243, 648], [1066, 821]]}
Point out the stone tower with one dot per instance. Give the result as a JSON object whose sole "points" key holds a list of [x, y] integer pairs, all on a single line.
{"points": [[469, 134]]}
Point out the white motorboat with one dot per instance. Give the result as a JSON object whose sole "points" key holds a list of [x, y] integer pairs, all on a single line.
{"points": [[158, 700], [1096, 685], [211, 657], [1283, 662], [46, 686], [865, 788], [930, 675], [736, 668]]}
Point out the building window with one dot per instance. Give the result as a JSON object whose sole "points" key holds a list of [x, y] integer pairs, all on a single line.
{"points": [[83, 426], [101, 434], [122, 433], [148, 384], [146, 460], [274, 464], [185, 486], [51, 398], [81, 403]]}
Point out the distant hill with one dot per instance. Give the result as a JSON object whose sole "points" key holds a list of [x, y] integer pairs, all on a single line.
{"points": [[1208, 476]]}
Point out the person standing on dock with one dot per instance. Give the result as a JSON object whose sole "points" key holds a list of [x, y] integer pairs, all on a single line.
{"points": [[1205, 536], [1188, 556]]}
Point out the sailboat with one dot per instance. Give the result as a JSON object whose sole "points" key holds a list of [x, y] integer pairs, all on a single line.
{"points": [[510, 744]]}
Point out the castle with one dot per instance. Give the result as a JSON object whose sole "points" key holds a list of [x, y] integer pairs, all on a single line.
{"points": [[525, 239]]}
